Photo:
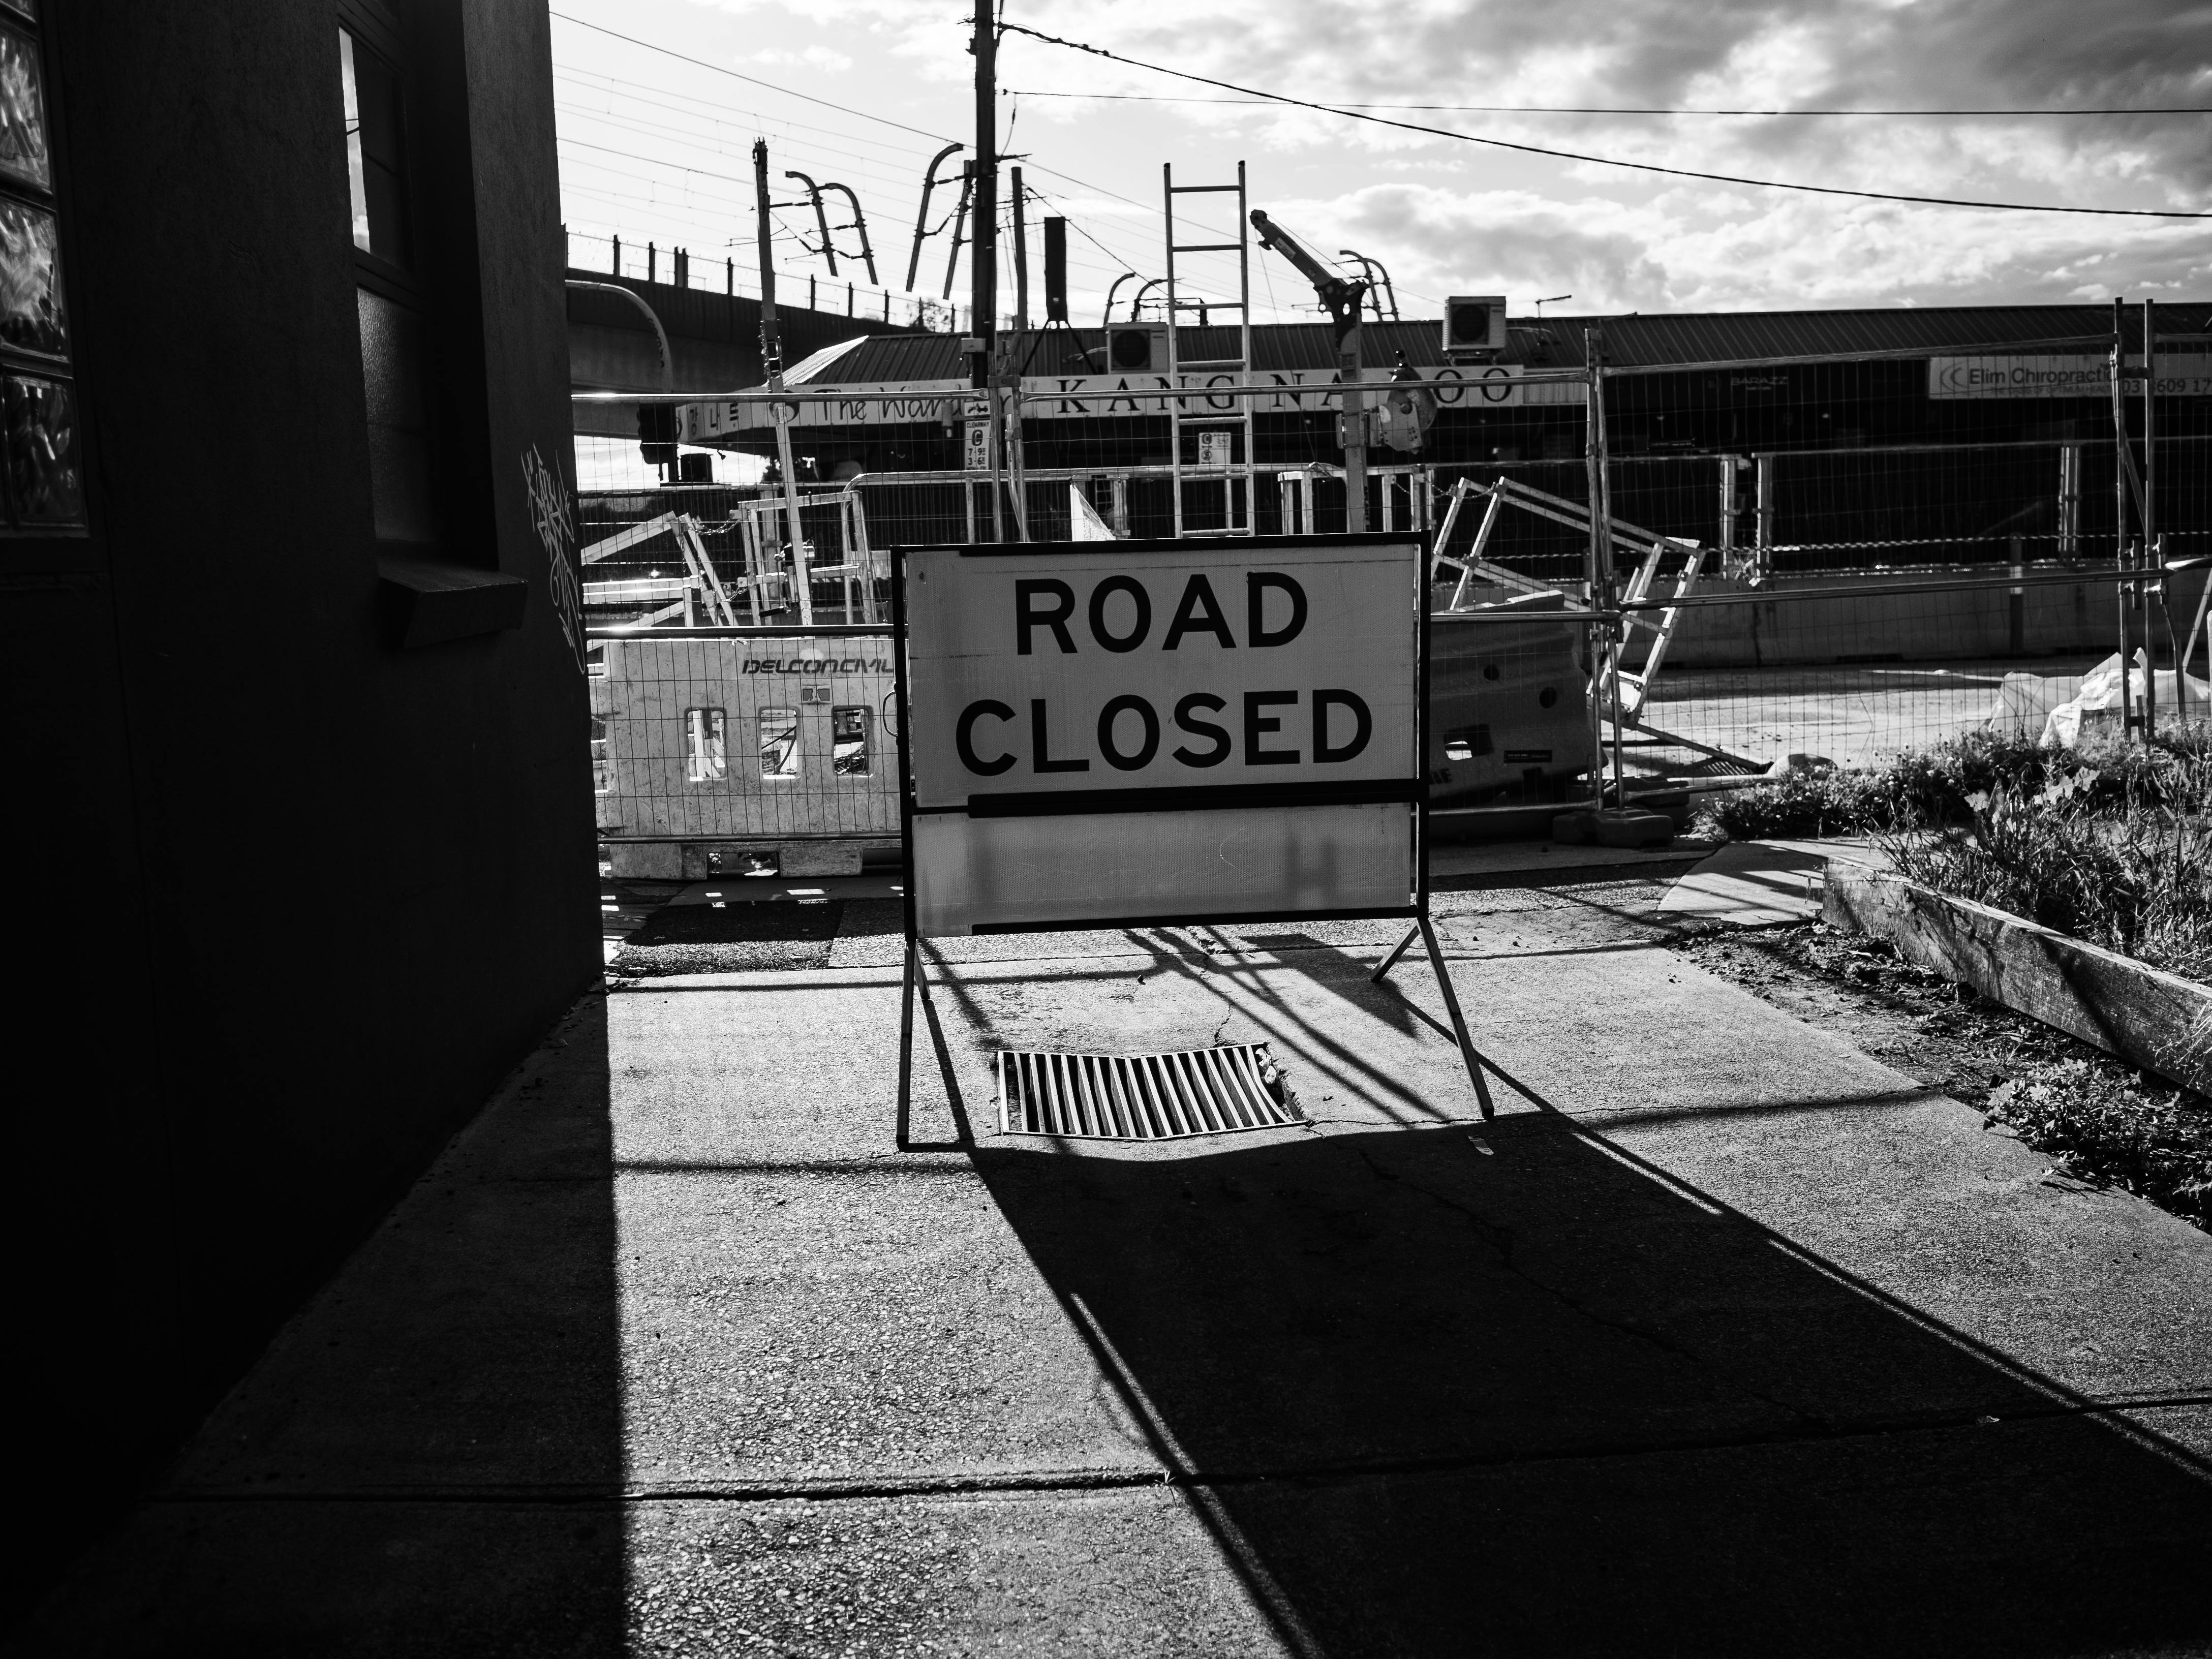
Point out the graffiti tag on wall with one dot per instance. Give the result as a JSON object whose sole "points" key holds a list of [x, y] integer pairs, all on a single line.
{"points": [[551, 511]]}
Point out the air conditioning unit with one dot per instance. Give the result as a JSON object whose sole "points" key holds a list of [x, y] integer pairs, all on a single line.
{"points": [[1136, 348], [1474, 326]]}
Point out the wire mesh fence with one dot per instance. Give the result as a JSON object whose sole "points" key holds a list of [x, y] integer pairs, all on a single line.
{"points": [[1805, 563]]}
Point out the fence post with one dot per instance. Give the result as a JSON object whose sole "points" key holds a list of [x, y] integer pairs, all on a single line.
{"points": [[2153, 555], [2069, 501], [616, 266], [2123, 553], [1726, 540], [1763, 533], [2016, 604]]}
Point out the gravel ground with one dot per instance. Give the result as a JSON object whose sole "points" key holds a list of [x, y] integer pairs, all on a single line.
{"points": [[2103, 1121]]}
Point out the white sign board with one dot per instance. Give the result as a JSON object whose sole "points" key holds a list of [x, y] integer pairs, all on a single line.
{"points": [[2080, 375], [1162, 730]]}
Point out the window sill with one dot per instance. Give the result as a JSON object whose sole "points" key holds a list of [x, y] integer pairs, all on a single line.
{"points": [[429, 602]]}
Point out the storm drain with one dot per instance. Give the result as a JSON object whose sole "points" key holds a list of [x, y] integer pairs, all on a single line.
{"points": [[1199, 1092]]}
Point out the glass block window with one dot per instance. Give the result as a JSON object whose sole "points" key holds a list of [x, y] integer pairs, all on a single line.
{"points": [[23, 157], [41, 474]]}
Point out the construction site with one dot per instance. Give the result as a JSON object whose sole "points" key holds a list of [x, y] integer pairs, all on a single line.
{"points": [[1814, 547], [1289, 961]]}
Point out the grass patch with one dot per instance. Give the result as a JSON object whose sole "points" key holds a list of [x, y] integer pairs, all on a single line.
{"points": [[2130, 1131]]}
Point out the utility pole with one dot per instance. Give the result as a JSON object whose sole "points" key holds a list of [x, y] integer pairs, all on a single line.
{"points": [[984, 220], [1021, 257], [1343, 301], [772, 368]]}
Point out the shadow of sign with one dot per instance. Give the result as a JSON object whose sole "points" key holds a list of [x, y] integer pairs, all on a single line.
{"points": [[1444, 1392]]}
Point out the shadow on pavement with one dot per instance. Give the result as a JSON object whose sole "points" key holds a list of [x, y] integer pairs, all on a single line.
{"points": [[1444, 1391], [428, 1460]]}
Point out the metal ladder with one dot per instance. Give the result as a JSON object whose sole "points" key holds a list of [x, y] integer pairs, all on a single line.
{"points": [[1226, 422]]}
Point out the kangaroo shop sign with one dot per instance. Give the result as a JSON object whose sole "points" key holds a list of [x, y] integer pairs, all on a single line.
{"points": [[1171, 729]]}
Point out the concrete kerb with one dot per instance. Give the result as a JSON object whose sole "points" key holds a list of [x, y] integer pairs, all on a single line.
{"points": [[2155, 1020]]}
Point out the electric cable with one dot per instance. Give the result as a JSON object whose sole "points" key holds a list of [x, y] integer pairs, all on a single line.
{"points": [[751, 79], [1615, 109], [1601, 161]]}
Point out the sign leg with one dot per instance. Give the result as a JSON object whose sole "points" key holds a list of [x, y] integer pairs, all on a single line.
{"points": [[1459, 1020], [904, 1124], [1391, 961]]}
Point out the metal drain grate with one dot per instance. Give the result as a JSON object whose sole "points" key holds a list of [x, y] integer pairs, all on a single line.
{"points": [[1199, 1092]]}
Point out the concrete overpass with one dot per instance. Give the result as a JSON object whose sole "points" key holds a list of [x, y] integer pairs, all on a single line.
{"points": [[713, 338]]}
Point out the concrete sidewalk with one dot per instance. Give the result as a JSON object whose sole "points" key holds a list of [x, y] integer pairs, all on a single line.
{"points": [[1723, 1337]]}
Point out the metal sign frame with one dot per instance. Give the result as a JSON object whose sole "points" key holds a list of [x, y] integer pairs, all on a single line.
{"points": [[914, 983]]}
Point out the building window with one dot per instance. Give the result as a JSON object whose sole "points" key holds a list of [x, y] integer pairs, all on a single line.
{"points": [[399, 420], [707, 758], [41, 478], [375, 158], [779, 743], [394, 350], [849, 741]]}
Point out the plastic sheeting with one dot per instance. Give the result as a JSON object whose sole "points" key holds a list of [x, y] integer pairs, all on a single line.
{"points": [[2060, 708]]}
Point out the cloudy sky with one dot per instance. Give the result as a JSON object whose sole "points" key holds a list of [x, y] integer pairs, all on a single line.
{"points": [[656, 147]]}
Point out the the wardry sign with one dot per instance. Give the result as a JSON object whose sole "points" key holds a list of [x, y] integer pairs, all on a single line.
{"points": [[1125, 730], [1102, 397], [2075, 376]]}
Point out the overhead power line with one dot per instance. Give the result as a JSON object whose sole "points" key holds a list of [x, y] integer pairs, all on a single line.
{"points": [[751, 79], [1615, 109], [1351, 114]]}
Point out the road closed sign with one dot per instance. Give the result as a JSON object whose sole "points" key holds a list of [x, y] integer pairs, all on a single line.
{"points": [[1162, 730]]}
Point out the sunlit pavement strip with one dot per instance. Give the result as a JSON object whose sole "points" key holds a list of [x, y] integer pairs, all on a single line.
{"points": [[1761, 883], [674, 1347]]}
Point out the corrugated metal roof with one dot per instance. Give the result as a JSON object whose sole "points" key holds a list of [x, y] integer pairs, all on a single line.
{"points": [[1557, 342]]}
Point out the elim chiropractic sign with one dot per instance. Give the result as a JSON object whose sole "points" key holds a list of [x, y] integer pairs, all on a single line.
{"points": [[1163, 730]]}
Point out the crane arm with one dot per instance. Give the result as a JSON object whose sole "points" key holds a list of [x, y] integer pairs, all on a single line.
{"points": [[1341, 298]]}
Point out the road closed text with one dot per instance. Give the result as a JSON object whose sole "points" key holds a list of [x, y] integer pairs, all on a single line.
{"points": [[1128, 730], [1119, 668]]}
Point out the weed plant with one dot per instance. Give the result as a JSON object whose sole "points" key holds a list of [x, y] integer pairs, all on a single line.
{"points": [[2113, 846], [2111, 842]]}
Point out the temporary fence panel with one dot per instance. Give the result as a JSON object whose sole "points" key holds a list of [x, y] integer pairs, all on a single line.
{"points": [[719, 737]]}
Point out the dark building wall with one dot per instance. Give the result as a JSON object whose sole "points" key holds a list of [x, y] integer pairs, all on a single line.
{"points": [[309, 894]]}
